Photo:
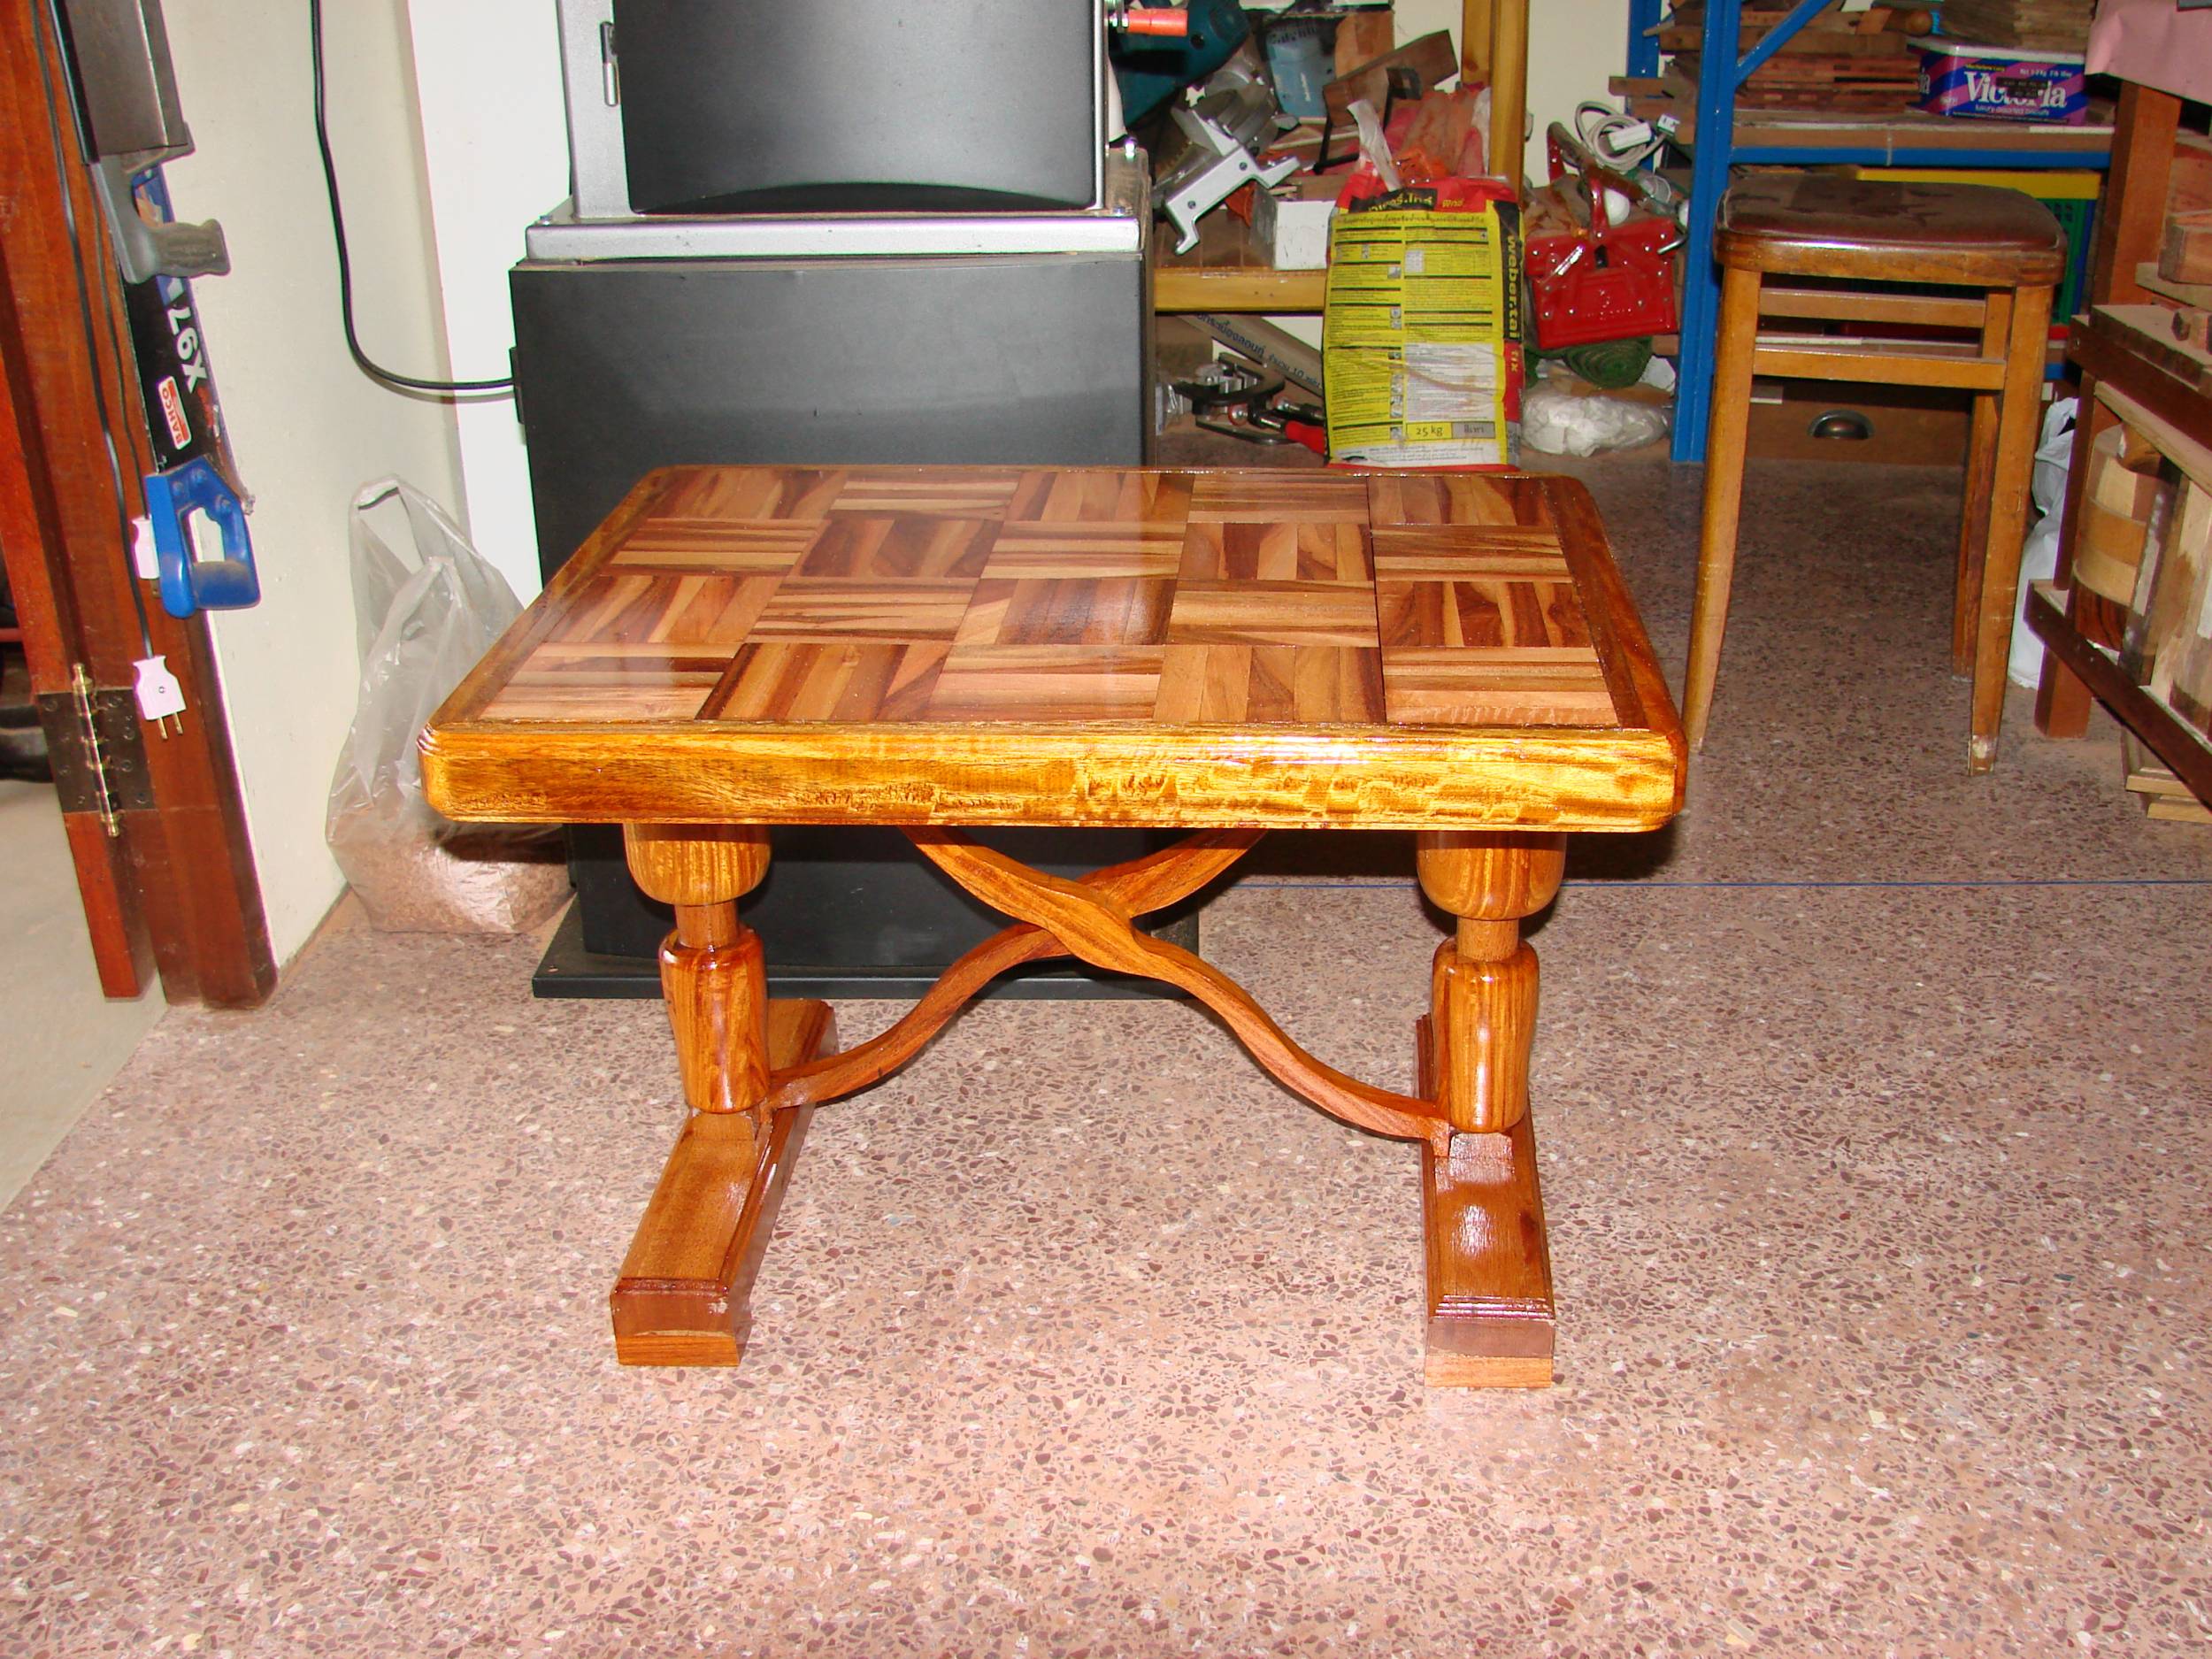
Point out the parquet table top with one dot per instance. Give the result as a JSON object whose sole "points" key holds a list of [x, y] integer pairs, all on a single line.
{"points": [[1074, 646]]}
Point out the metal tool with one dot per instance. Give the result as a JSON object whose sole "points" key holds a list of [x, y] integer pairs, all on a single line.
{"points": [[1237, 400], [130, 124], [1225, 121], [195, 471]]}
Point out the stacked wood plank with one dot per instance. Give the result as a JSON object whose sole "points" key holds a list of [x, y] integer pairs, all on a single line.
{"points": [[2041, 25], [2153, 782], [1834, 63]]}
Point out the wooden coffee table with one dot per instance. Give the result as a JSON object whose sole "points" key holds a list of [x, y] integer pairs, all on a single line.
{"points": [[1225, 653]]}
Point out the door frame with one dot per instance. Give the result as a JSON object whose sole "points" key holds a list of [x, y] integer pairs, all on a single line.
{"points": [[166, 870]]}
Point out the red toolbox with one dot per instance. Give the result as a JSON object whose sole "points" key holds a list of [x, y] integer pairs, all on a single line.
{"points": [[1598, 275]]}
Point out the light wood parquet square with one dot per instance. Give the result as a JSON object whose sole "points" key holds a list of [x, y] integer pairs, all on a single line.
{"points": [[859, 595]]}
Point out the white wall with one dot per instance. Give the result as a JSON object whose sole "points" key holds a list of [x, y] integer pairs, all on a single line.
{"points": [[497, 145], [309, 429]]}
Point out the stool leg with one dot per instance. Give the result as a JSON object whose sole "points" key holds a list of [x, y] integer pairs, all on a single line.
{"points": [[1724, 441], [1981, 470], [2019, 409]]}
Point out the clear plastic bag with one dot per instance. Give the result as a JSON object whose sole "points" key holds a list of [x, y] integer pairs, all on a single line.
{"points": [[420, 627], [2038, 554]]}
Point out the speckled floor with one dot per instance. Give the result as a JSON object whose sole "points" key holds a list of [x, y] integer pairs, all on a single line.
{"points": [[1873, 1118]]}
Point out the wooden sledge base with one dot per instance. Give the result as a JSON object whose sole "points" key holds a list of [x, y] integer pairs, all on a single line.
{"points": [[1488, 1293], [682, 1298]]}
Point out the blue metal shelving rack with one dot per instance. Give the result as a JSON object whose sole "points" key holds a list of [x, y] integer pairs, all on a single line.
{"points": [[1715, 152]]}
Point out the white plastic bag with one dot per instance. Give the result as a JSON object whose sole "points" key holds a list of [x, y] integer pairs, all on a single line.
{"points": [[2038, 554], [1560, 423], [421, 625]]}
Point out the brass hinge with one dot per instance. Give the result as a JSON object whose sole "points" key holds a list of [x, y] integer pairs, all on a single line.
{"points": [[97, 749]]}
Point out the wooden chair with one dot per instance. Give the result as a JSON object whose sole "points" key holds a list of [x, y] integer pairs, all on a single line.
{"points": [[2002, 245]]}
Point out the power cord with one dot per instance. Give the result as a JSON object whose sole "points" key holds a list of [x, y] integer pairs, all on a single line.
{"points": [[1618, 140], [368, 365]]}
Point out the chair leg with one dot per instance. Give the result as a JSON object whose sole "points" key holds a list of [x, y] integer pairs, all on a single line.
{"points": [[1725, 438], [1981, 465], [2019, 411]]}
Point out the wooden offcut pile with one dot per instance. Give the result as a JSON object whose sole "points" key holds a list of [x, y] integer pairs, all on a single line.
{"points": [[1863, 63], [2041, 25]]}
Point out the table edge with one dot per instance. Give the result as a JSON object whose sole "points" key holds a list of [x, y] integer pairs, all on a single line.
{"points": [[1552, 778]]}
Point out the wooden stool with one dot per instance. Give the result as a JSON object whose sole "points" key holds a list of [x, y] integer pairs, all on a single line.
{"points": [[1971, 237]]}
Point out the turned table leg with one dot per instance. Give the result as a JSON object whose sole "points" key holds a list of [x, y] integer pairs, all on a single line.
{"points": [[682, 1294], [1490, 1319]]}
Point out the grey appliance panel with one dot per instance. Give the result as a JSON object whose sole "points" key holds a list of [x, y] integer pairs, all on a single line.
{"points": [[753, 104], [624, 366], [1118, 224], [1015, 81]]}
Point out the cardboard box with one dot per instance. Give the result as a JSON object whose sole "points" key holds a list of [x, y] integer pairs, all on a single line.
{"points": [[1293, 227]]}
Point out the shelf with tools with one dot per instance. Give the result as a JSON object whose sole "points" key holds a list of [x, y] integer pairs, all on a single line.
{"points": [[1228, 272], [1692, 111]]}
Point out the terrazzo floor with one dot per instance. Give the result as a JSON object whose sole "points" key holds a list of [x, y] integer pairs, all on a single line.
{"points": [[1872, 1112]]}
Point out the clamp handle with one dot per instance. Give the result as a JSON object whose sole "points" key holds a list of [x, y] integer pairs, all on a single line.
{"points": [[190, 583]]}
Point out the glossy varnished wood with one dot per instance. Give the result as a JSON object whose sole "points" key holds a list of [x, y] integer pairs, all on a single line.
{"points": [[1074, 646], [1140, 886], [1486, 1264], [1482, 995], [682, 1297], [1093, 926], [1224, 652]]}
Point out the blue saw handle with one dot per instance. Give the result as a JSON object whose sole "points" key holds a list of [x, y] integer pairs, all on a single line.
{"points": [[190, 583]]}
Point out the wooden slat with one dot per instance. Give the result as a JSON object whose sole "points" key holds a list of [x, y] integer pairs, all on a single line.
{"points": [[2132, 218], [1254, 289], [1862, 305], [1876, 365], [2140, 712], [2122, 348]]}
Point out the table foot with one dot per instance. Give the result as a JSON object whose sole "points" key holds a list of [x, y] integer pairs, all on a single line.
{"points": [[682, 1298], [1488, 1295]]}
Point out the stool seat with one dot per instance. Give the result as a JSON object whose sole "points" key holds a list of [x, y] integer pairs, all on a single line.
{"points": [[1808, 224]]}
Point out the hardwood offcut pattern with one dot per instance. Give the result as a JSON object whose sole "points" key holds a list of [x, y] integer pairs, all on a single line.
{"points": [[869, 595]]}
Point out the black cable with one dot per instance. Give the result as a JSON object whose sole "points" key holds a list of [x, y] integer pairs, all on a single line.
{"points": [[367, 365]]}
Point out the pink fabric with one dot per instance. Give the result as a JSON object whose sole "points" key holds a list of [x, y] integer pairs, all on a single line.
{"points": [[2155, 44]]}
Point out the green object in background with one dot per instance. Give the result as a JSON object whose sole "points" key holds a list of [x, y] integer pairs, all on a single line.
{"points": [[1610, 365]]}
